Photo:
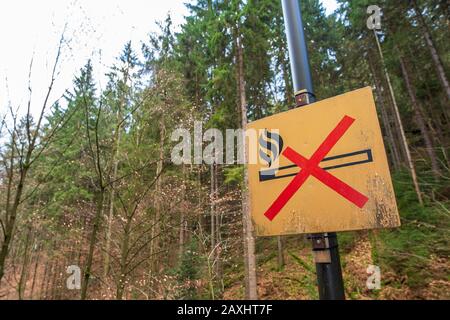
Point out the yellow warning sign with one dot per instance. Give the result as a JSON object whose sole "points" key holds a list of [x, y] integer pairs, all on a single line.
{"points": [[321, 168]]}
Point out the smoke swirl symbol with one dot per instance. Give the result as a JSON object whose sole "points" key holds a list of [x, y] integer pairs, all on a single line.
{"points": [[271, 145]]}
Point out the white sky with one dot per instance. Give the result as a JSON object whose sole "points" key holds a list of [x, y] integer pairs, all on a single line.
{"points": [[97, 29]]}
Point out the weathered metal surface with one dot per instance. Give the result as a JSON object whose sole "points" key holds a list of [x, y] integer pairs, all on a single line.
{"points": [[358, 159]]}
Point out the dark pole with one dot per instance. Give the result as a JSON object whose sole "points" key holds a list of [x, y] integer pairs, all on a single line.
{"points": [[325, 245], [298, 52]]}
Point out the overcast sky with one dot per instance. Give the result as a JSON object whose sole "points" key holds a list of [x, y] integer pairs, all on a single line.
{"points": [[96, 29]]}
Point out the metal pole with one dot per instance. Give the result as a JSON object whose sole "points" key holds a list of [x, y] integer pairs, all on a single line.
{"points": [[298, 52], [325, 245]]}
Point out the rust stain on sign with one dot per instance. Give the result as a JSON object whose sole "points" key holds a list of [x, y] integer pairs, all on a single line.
{"points": [[331, 172]]}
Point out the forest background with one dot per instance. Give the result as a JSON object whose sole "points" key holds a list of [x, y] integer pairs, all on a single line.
{"points": [[87, 181]]}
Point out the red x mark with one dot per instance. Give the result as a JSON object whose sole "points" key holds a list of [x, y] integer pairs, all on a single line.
{"points": [[311, 167]]}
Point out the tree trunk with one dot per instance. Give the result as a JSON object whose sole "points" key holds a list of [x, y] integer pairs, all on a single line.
{"points": [[280, 252], [43, 282], [212, 199], [24, 272], [395, 155], [420, 119], [123, 259], [154, 246], [50, 272], [249, 240], [36, 266], [400, 124], [219, 271], [431, 46], [53, 282], [115, 161], [57, 285], [428, 113], [11, 215], [181, 239], [92, 241]]}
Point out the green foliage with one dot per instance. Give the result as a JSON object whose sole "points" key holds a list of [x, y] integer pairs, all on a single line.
{"points": [[410, 249], [234, 175], [346, 240], [302, 263], [189, 271]]}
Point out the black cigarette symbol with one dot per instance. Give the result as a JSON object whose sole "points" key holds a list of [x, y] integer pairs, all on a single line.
{"points": [[270, 174]]}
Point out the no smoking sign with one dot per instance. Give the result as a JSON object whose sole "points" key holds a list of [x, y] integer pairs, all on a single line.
{"points": [[331, 172]]}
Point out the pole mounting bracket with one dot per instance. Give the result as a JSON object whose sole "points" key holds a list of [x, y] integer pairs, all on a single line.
{"points": [[303, 97]]}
